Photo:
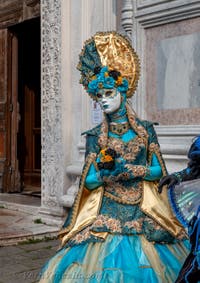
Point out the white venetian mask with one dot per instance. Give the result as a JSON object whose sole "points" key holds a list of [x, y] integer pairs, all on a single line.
{"points": [[109, 100]]}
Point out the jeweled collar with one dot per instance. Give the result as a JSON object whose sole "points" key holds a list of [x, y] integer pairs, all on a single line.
{"points": [[139, 129], [119, 128]]}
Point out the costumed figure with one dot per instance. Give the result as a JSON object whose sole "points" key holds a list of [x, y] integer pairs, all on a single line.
{"points": [[120, 229], [184, 195]]}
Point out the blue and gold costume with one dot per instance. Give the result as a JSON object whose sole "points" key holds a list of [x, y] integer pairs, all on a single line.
{"points": [[119, 229], [184, 195]]}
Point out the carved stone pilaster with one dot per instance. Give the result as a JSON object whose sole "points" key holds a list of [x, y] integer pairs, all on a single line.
{"points": [[51, 111]]}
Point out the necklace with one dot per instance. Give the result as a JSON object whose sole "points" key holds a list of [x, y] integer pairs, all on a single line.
{"points": [[119, 129]]}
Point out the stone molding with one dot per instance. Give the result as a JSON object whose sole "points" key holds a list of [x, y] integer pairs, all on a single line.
{"points": [[127, 17], [178, 130], [109, 12], [175, 142], [150, 13], [176, 139], [165, 4]]}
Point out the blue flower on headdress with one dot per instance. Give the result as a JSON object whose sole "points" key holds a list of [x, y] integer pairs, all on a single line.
{"points": [[124, 86], [92, 86], [103, 70], [109, 80]]}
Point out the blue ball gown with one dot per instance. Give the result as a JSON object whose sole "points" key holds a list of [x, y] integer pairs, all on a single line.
{"points": [[108, 236]]}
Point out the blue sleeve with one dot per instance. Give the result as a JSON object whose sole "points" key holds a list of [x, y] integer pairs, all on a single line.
{"points": [[93, 179], [156, 162], [155, 170]]}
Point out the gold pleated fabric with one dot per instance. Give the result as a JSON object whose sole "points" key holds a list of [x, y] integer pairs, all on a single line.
{"points": [[157, 207], [88, 210]]}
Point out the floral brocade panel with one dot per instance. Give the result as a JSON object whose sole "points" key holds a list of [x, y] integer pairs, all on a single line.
{"points": [[133, 152], [130, 151], [121, 194]]}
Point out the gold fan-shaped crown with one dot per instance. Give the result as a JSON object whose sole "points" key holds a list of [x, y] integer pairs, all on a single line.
{"points": [[116, 52]]}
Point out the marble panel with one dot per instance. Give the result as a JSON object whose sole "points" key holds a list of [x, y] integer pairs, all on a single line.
{"points": [[172, 73], [178, 72]]}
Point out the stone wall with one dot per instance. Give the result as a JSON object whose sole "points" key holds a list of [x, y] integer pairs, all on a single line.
{"points": [[161, 32]]}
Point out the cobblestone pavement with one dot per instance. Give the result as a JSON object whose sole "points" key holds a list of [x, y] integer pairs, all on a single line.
{"points": [[22, 263]]}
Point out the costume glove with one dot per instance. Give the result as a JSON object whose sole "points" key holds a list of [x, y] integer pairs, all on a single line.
{"points": [[169, 180], [123, 171], [116, 170]]}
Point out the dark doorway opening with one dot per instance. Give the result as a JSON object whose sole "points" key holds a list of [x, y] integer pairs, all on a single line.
{"points": [[29, 96]]}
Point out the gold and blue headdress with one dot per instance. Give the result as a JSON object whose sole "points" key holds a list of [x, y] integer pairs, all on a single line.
{"points": [[108, 60]]}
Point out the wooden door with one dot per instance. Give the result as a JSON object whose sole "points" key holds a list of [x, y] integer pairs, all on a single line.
{"points": [[29, 133], [11, 176], [22, 168], [32, 143], [3, 100]]}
